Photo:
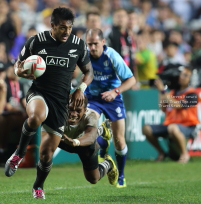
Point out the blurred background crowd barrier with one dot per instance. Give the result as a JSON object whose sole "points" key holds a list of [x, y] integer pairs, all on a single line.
{"points": [[154, 37]]}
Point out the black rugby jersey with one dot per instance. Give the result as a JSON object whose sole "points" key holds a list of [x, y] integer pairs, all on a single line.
{"points": [[60, 58]]}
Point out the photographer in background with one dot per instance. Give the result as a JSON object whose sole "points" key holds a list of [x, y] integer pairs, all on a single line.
{"points": [[181, 116]]}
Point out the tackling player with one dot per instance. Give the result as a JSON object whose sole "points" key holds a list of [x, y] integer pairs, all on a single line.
{"points": [[111, 77], [80, 137], [48, 96]]}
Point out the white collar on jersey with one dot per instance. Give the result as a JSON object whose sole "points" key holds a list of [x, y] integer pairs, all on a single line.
{"points": [[51, 35]]}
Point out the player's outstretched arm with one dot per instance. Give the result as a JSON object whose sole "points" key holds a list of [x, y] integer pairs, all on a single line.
{"points": [[21, 72], [87, 139]]}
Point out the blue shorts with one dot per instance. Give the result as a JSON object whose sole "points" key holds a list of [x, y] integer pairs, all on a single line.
{"points": [[113, 110], [162, 130]]}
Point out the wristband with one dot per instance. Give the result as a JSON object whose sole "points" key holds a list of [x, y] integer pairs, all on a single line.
{"points": [[77, 142], [82, 87], [15, 71]]}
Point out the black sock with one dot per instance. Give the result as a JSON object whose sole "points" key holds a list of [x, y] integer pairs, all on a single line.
{"points": [[43, 170], [105, 167], [26, 136]]}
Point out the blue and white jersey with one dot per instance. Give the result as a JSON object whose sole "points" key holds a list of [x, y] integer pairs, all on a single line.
{"points": [[110, 71]]}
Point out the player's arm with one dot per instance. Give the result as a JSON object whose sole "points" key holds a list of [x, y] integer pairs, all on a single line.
{"points": [[124, 73], [89, 137], [19, 65], [90, 132], [86, 68]]}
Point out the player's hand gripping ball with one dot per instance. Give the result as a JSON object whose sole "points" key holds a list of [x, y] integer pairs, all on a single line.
{"points": [[36, 64]]}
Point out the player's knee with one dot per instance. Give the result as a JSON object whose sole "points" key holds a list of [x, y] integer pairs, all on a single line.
{"points": [[34, 121], [92, 180], [147, 131], [46, 155]]}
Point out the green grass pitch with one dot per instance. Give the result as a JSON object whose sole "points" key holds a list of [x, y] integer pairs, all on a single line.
{"points": [[147, 182]]}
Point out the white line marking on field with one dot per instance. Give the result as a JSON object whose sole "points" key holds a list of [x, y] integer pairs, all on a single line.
{"points": [[56, 188], [92, 186]]}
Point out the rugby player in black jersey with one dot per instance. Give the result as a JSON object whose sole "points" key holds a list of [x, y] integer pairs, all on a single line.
{"points": [[48, 96]]}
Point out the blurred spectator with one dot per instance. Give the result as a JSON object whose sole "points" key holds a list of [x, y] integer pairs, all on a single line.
{"points": [[133, 23], [3, 54], [166, 19], [93, 20], [13, 116], [187, 53], [156, 43], [146, 61], [116, 5], [46, 23], [120, 40], [14, 12], [173, 57], [196, 45], [75, 5], [42, 4], [15, 91], [134, 5], [28, 14], [181, 116], [183, 8], [176, 36], [149, 12], [7, 27], [20, 41], [3, 87], [79, 31], [105, 12]]}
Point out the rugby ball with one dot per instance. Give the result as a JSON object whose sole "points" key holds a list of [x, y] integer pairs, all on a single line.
{"points": [[36, 63]]}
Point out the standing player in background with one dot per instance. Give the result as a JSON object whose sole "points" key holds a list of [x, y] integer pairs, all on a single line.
{"points": [[111, 77], [49, 94]]}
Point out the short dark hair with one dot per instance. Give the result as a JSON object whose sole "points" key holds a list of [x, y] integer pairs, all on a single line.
{"points": [[96, 13], [62, 13], [98, 31]]}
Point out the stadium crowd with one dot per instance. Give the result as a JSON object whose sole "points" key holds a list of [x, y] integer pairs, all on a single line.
{"points": [[152, 36]]}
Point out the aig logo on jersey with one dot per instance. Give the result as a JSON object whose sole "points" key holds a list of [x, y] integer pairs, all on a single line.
{"points": [[57, 61]]}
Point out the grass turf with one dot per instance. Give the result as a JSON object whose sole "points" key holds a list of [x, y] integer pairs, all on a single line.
{"points": [[147, 182]]}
